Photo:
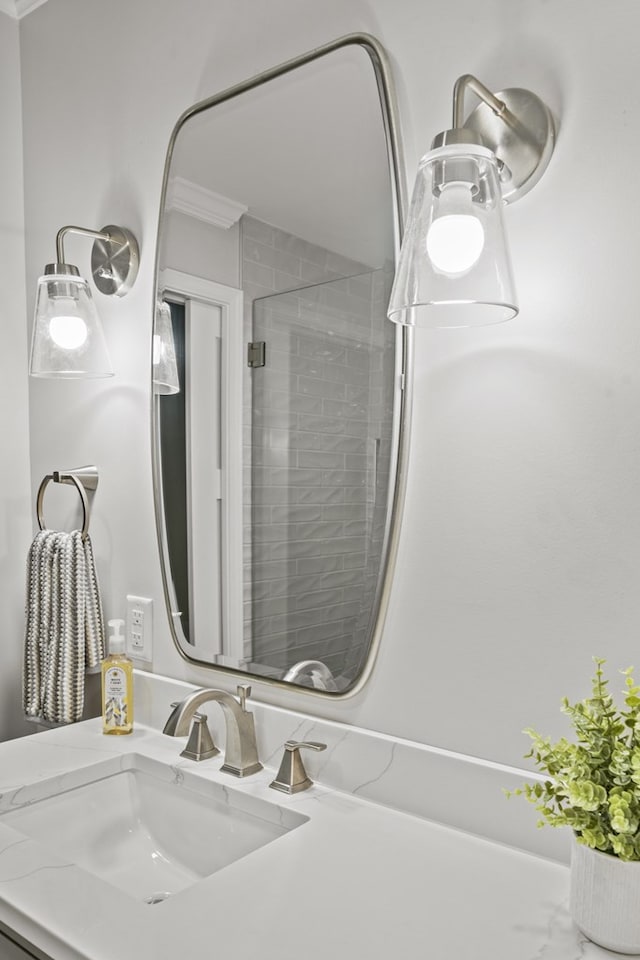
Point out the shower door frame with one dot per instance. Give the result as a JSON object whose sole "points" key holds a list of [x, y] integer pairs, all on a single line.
{"points": [[187, 287]]}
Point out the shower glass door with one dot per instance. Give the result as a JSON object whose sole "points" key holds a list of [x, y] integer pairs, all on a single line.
{"points": [[321, 437]]}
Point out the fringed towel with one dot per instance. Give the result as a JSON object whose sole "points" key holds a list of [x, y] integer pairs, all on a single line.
{"points": [[64, 633]]}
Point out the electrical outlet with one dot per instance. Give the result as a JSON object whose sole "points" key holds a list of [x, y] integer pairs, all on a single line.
{"points": [[139, 627]]}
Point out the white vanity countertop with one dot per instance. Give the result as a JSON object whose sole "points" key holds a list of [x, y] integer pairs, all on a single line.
{"points": [[357, 880]]}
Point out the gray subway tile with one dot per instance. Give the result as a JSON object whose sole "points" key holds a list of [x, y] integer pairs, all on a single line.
{"points": [[257, 230]]}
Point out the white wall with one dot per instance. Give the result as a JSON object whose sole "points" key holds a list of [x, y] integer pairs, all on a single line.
{"points": [[520, 556], [15, 518]]}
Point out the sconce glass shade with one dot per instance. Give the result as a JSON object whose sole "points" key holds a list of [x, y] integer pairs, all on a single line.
{"points": [[454, 268], [165, 368], [67, 340]]}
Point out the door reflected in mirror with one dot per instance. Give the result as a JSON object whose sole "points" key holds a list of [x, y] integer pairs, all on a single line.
{"points": [[277, 454]]}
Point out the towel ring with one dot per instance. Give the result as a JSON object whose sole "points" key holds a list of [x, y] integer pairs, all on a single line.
{"points": [[64, 478]]}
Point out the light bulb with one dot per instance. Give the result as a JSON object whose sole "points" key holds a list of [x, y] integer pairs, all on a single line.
{"points": [[455, 239], [69, 332], [455, 243]]}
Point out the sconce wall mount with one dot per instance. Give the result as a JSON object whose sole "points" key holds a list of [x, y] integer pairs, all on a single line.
{"points": [[115, 260]]}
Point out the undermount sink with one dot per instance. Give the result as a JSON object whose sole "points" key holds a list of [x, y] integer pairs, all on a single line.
{"points": [[144, 826]]}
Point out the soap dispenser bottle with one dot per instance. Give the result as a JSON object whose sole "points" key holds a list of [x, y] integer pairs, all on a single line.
{"points": [[117, 684]]}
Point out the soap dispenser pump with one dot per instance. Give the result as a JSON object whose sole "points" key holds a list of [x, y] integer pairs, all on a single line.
{"points": [[117, 684]]}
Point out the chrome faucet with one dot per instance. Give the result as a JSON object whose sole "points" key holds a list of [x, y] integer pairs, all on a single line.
{"points": [[241, 752], [311, 673]]}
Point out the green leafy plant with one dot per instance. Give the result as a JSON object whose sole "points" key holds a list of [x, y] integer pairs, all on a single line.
{"points": [[593, 785]]}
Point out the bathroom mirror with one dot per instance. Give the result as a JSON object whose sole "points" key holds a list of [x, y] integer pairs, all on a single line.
{"points": [[279, 386]]}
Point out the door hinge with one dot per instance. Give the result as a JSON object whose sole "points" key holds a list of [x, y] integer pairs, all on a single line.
{"points": [[256, 353]]}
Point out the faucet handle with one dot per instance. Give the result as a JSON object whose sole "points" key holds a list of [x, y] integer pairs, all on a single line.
{"points": [[292, 776], [200, 745], [244, 692], [308, 744]]}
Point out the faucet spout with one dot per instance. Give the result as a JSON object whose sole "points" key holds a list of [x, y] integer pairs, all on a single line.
{"points": [[241, 752]]}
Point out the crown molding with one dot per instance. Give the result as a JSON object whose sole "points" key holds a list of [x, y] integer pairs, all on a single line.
{"points": [[196, 201], [19, 8]]}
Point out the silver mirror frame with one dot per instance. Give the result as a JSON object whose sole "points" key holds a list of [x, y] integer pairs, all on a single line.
{"points": [[404, 357]]}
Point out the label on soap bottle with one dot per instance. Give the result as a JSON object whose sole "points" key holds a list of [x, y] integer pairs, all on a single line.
{"points": [[115, 696]]}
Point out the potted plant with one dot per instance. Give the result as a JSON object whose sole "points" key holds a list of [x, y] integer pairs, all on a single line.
{"points": [[593, 786]]}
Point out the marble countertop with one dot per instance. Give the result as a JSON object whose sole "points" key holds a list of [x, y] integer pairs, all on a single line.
{"points": [[358, 880]]}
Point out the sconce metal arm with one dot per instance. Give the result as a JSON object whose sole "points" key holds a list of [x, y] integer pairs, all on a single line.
{"points": [[468, 81], [83, 231], [498, 107]]}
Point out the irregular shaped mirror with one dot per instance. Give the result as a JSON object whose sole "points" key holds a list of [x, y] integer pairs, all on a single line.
{"points": [[279, 415]]}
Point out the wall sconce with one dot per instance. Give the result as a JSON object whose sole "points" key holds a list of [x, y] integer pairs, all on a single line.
{"points": [[67, 340], [454, 267]]}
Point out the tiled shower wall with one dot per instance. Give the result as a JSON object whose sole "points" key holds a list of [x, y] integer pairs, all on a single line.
{"points": [[317, 447]]}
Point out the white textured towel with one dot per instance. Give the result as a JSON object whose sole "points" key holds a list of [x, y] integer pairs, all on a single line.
{"points": [[64, 632]]}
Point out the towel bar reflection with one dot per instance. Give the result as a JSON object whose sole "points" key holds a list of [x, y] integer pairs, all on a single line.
{"points": [[83, 479]]}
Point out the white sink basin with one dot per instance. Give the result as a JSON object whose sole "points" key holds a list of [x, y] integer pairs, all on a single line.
{"points": [[144, 826]]}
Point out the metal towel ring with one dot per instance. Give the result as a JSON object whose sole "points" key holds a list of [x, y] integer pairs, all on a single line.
{"points": [[64, 478]]}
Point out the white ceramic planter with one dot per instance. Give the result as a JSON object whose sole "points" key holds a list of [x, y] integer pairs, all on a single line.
{"points": [[605, 899]]}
